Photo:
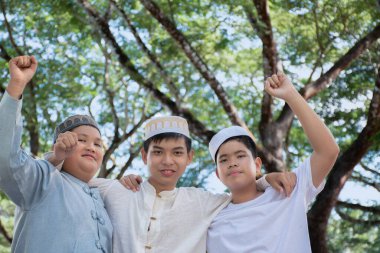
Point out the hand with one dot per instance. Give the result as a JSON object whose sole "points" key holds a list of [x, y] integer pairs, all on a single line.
{"points": [[22, 69], [131, 182], [65, 145], [282, 181], [279, 85]]}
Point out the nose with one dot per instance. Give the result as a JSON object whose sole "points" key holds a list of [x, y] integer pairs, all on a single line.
{"points": [[233, 163], [167, 159], [90, 147]]}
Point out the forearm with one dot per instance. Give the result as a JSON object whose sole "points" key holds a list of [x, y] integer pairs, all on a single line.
{"points": [[50, 157], [317, 132], [10, 136], [14, 90], [10, 118]]}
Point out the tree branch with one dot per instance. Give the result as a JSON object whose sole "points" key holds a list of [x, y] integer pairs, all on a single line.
{"points": [[347, 217], [4, 54], [365, 167], [9, 29], [153, 58], [365, 180], [310, 90], [372, 209], [320, 212], [132, 156], [5, 233], [195, 59], [263, 27], [196, 127]]}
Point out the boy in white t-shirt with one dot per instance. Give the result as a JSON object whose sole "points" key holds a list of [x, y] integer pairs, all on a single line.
{"points": [[268, 222]]}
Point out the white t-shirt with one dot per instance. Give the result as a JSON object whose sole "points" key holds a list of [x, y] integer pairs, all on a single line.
{"points": [[175, 221], [270, 223]]}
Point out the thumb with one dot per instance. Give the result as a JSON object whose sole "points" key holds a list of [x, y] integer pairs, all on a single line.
{"points": [[268, 88], [139, 179], [34, 63]]}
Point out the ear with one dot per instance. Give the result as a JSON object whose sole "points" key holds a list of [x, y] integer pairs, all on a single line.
{"points": [[144, 156], [216, 172], [258, 164], [190, 156]]}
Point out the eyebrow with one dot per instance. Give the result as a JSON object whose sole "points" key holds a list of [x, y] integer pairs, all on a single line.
{"points": [[235, 153], [86, 135], [175, 148]]}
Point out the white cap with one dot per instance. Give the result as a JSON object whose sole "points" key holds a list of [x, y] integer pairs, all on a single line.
{"points": [[166, 124], [224, 134]]}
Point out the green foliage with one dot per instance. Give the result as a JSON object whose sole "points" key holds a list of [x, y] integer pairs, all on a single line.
{"points": [[344, 236]]}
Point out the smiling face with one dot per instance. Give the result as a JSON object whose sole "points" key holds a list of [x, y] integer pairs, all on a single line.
{"points": [[236, 167], [167, 160], [88, 155]]}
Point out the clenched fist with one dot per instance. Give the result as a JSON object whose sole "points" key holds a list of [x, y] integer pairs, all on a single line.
{"points": [[65, 145], [22, 69]]}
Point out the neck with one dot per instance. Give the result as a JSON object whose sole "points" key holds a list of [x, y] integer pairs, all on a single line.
{"points": [[159, 187], [244, 194], [84, 178]]}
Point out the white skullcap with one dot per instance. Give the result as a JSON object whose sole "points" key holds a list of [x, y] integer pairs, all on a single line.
{"points": [[166, 124], [224, 134]]}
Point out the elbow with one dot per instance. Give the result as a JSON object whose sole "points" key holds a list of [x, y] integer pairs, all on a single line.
{"points": [[334, 151]]}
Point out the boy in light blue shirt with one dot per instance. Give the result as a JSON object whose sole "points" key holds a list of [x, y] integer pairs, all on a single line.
{"points": [[56, 211]]}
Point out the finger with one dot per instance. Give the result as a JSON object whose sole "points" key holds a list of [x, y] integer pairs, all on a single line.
{"points": [[275, 79], [59, 145], [139, 179], [293, 179], [24, 62], [271, 82], [278, 188], [134, 182], [71, 139], [123, 182], [268, 88], [33, 60], [130, 184], [281, 76], [287, 186]]}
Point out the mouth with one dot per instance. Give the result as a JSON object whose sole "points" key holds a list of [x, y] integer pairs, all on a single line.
{"points": [[167, 173], [234, 173], [89, 156]]}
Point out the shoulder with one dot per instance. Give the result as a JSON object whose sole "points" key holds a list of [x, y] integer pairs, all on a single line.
{"points": [[202, 194]]}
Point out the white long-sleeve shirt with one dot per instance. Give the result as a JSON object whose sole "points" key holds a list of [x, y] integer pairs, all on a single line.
{"points": [[172, 221]]}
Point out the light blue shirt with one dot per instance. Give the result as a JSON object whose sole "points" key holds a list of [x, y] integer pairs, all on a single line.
{"points": [[56, 212]]}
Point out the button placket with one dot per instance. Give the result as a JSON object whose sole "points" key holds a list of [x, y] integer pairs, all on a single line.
{"points": [[98, 244]]}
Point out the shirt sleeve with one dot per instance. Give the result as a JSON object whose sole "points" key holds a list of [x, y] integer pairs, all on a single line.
{"points": [[305, 181], [212, 203], [102, 184], [23, 179]]}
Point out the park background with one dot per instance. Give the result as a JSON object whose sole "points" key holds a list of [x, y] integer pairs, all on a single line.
{"points": [[124, 62]]}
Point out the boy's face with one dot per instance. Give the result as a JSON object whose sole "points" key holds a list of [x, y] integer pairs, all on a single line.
{"points": [[236, 167], [88, 155], [167, 161]]}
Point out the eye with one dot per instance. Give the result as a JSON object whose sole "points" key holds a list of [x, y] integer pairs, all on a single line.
{"points": [[81, 140], [156, 152], [178, 153], [223, 160], [241, 156], [98, 145]]}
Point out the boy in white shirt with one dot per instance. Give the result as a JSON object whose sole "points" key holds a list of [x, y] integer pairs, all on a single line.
{"points": [[268, 222]]}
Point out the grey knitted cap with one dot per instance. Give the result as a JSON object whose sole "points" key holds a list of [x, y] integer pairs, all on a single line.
{"points": [[73, 122]]}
